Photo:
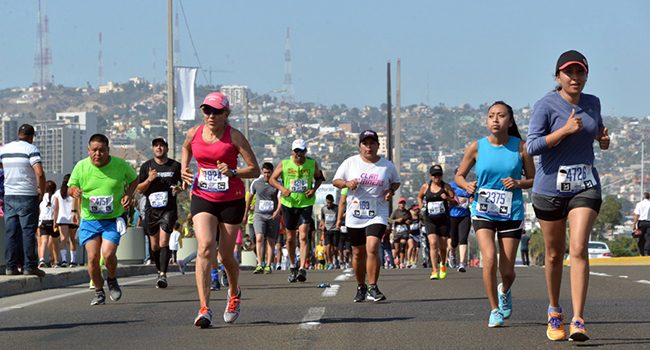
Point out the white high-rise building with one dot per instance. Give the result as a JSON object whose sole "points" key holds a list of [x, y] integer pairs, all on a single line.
{"points": [[8, 130], [236, 94]]}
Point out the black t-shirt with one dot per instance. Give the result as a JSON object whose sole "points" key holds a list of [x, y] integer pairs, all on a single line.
{"points": [[169, 174]]}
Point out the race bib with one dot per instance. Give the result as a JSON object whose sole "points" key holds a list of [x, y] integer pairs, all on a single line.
{"points": [[465, 204], [330, 218], [436, 208], [265, 206], [414, 226], [401, 228], [494, 202], [575, 178], [298, 185], [101, 204], [364, 209], [212, 180], [158, 199]]}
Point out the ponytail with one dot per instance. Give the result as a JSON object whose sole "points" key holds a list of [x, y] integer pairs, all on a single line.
{"points": [[64, 186]]}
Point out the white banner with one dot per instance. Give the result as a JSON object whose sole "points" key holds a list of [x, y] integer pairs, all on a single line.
{"points": [[184, 78]]}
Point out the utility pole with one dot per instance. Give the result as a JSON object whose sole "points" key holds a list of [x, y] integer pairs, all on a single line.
{"points": [[398, 124], [642, 165], [170, 82], [389, 120]]}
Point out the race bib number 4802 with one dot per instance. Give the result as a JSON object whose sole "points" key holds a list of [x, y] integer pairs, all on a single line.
{"points": [[212, 180], [494, 202], [575, 178]]}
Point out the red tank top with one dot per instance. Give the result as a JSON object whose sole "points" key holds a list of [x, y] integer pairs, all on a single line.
{"points": [[209, 184]]}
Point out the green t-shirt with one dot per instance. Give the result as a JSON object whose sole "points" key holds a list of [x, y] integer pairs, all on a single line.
{"points": [[102, 188], [298, 179]]}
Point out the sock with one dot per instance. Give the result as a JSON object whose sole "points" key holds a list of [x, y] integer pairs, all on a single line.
{"points": [[164, 259], [73, 256], [555, 309], [63, 254], [156, 258], [215, 274]]}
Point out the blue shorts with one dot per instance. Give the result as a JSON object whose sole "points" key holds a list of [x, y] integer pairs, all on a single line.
{"points": [[89, 229]]}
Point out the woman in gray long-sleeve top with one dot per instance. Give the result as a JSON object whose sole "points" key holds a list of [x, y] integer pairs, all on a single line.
{"points": [[563, 127]]}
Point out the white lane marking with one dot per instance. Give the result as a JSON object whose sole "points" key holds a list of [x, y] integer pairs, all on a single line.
{"points": [[600, 274], [622, 276], [312, 319], [343, 277], [66, 294], [331, 290], [643, 281]]}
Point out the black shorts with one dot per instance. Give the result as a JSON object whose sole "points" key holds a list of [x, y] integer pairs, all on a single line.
{"points": [[459, 230], [160, 219], [438, 226], [332, 237], [549, 208], [294, 217], [47, 229], [231, 212], [507, 229], [358, 235], [344, 241]]}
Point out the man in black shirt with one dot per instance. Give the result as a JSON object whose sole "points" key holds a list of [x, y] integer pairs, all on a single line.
{"points": [[159, 181]]}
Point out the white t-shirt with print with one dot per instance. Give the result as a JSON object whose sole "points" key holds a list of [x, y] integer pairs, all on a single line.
{"points": [[366, 204]]}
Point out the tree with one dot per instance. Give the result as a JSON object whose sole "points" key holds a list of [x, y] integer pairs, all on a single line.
{"points": [[623, 246], [610, 215]]}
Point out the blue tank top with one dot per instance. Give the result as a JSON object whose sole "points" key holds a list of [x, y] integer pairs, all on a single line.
{"points": [[493, 163], [459, 211]]}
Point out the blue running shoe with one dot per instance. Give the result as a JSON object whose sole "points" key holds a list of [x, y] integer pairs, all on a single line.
{"points": [[505, 301], [496, 319]]}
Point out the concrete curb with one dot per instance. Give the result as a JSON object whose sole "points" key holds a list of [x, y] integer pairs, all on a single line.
{"points": [[622, 261]]}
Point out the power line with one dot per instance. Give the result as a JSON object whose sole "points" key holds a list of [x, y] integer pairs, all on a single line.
{"points": [[196, 54]]}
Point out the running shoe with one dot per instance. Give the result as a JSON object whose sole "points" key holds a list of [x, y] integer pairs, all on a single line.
{"points": [[555, 328], [443, 271], [91, 285], [181, 266], [232, 307], [34, 272], [362, 291], [72, 264], [99, 299], [452, 262], [577, 330], [42, 264], [496, 319], [293, 274], [505, 301], [204, 318], [374, 294], [302, 275], [461, 268], [161, 282], [114, 290], [214, 284], [223, 278], [267, 270], [434, 274], [258, 270], [65, 264]]}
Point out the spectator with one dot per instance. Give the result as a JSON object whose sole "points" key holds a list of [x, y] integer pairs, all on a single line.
{"points": [[642, 224]]}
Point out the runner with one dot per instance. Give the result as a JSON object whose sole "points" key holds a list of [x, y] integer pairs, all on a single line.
{"points": [[266, 220], [48, 237], [345, 245], [105, 185], [372, 181], [414, 237], [459, 223], [66, 214], [301, 176], [159, 182], [562, 130], [434, 197], [328, 215], [399, 219], [217, 198], [498, 202]]}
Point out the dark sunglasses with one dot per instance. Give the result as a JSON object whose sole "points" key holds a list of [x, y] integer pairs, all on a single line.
{"points": [[207, 110], [299, 150]]}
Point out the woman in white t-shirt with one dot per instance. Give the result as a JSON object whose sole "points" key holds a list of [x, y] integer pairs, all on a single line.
{"points": [[66, 220], [47, 236], [372, 182]]}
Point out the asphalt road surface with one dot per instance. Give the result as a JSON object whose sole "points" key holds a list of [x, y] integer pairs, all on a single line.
{"points": [[418, 314]]}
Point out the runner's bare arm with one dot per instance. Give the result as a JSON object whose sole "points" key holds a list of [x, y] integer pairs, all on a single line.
{"points": [[252, 169]]}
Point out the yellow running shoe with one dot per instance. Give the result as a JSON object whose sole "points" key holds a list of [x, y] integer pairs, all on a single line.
{"points": [[555, 328], [434, 274], [577, 330], [443, 271]]}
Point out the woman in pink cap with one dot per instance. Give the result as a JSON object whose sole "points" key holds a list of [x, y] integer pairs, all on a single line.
{"points": [[217, 198]]}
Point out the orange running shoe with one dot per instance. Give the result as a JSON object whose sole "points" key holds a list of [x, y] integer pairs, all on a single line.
{"points": [[435, 274], [577, 330], [555, 328]]}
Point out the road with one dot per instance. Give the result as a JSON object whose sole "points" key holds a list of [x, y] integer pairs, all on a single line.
{"points": [[419, 314]]}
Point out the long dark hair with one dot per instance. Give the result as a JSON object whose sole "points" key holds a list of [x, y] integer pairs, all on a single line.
{"points": [[64, 186], [50, 188], [513, 130]]}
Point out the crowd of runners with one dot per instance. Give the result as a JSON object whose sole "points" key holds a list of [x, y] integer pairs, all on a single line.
{"points": [[357, 230]]}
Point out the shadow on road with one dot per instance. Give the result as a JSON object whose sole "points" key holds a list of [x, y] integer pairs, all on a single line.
{"points": [[608, 342], [65, 325], [408, 301]]}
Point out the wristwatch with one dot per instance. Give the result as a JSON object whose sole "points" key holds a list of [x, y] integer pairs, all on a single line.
{"points": [[234, 172]]}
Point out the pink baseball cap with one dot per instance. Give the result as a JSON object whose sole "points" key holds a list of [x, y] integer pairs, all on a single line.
{"points": [[216, 100]]}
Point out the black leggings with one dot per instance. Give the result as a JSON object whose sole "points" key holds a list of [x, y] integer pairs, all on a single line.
{"points": [[459, 230]]}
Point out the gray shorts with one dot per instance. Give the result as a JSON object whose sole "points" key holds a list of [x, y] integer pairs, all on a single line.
{"points": [[557, 208], [269, 228]]}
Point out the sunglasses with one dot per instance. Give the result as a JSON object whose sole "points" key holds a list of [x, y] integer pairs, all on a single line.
{"points": [[208, 111], [299, 150]]}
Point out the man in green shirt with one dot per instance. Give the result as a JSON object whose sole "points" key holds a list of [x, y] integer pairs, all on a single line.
{"points": [[105, 185], [301, 177]]}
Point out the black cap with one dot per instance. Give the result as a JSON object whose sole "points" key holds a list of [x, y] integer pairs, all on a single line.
{"points": [[368, 134], [157, 140], [571, 57], [435, 170], [26, 129]]}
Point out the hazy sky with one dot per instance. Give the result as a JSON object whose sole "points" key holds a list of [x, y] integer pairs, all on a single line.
{"points": [[452, 52]]}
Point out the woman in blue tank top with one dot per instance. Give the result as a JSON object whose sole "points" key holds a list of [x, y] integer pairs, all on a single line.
{"points": [[498, 203]]}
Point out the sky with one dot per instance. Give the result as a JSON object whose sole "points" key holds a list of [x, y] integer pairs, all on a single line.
{"points": [[451, 52]]}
